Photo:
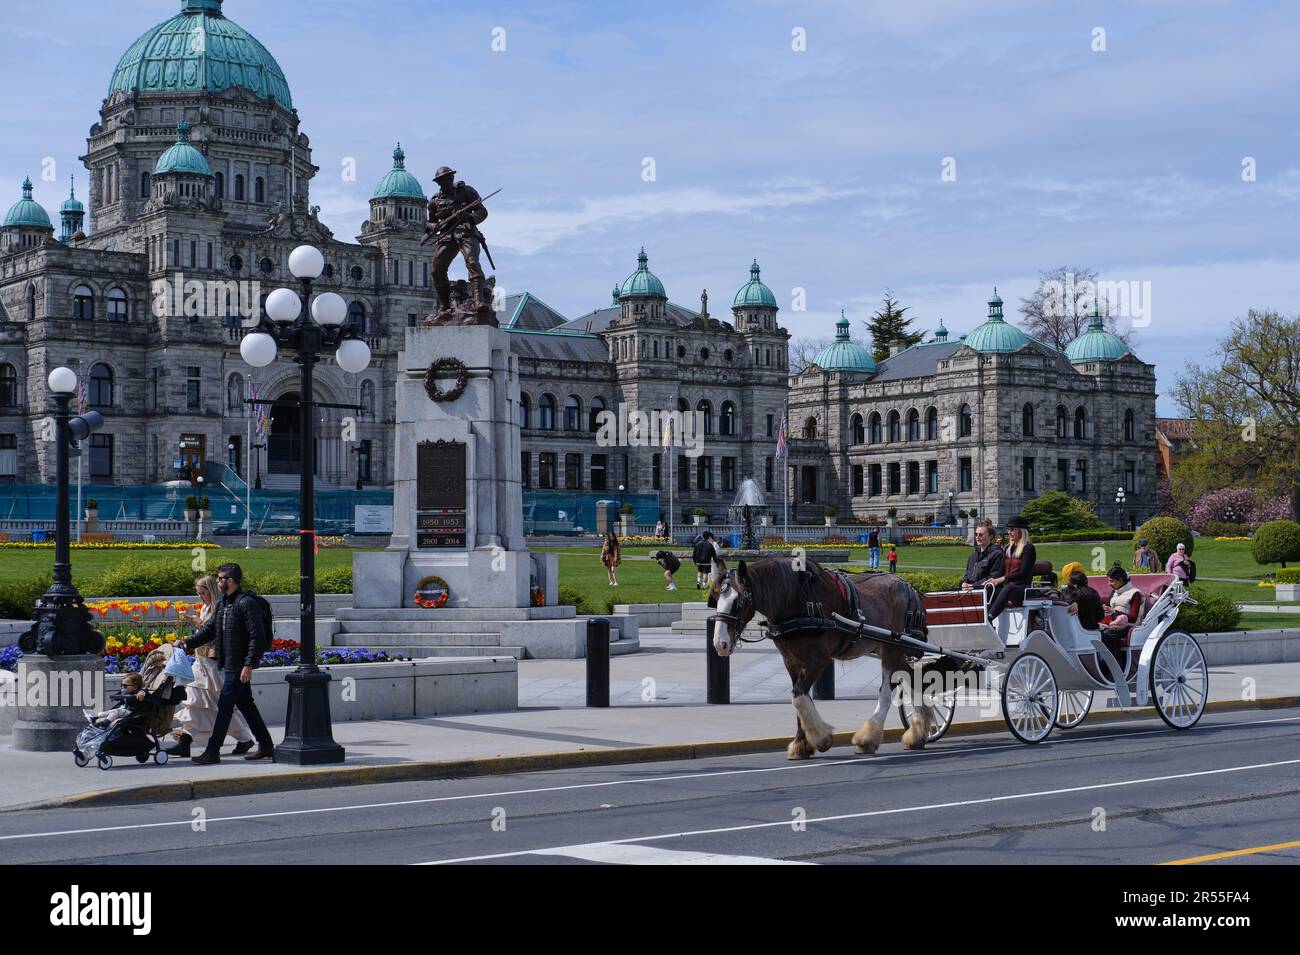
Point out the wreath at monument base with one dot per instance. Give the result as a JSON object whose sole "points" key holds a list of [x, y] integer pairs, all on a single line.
{"points": [[432, 593], [441, 367]]}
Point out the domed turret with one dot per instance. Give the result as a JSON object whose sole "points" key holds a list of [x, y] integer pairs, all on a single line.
{"points": [[182, 159], [995, 335], [1096, 344], [754, 292], [27, 212], [642, 282], [397, 182], [845, 355], [200, 49], [72, 213]]}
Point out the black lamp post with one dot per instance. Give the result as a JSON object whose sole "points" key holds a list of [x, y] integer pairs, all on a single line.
{"points": [[309, 736], [62, 626], [1119, 503], [257, 465], [359, 451], [952, 515]]}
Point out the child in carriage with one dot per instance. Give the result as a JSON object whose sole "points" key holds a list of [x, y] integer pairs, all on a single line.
{"points": [[130, 699]]}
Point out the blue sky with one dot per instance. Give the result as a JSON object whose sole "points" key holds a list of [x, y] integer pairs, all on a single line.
{"points": [[823, 163]]}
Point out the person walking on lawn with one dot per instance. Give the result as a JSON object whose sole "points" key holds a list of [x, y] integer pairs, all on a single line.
{"points": [[610, 556], [893, 559], [702, 556], [241, 638]]}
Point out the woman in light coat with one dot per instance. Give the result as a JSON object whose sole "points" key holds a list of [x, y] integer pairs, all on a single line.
{"points": [[199, 711]]}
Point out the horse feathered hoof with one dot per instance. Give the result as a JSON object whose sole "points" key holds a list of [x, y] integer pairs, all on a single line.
{"points": [[799, 749], [914, 737], [867, 740], [824, 744]]}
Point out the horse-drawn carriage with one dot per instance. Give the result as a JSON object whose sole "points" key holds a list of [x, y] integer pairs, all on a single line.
{"points": [[1047, 666]]}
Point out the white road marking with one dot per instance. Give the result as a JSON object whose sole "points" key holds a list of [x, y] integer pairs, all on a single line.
{"points": [[985, 800], [618, 854], [803, 766]]}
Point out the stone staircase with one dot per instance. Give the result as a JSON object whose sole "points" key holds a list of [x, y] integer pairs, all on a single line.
{"points": [[455, 632]]}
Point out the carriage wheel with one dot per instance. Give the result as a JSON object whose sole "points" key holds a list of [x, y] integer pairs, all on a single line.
{"points": [[1075, 705], [943, 709], [1029, 698], [80, 758], [1180, 681], [161, 756], [104, 762]]}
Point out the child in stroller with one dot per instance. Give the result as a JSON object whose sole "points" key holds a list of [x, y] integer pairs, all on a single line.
{"points": [[146, 705]]}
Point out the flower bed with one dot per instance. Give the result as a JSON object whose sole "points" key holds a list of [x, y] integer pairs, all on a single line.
{"points": [[637, 539], [936, 541], [292, 540], [114, 545]]}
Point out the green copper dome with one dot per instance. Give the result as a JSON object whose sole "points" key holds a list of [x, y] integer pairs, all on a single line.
{"points": [[995, 335], [27, 211], [182, 158], [72, 203], [1096, 344], [754, 292], [398, 183], [845, 355], [643, 281], [199, 49]]}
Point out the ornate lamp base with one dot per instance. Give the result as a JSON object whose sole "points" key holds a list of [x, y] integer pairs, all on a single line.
{"points": [[308, 740]]}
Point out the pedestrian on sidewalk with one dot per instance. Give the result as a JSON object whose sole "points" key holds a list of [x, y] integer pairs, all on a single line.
{"points": [[873, 549], [670, 563], [661, 529], [702, 556], [198, 714], [610, 556], [241, 634], [893, 559]]}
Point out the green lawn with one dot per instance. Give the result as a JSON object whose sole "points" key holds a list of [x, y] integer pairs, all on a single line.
{"points": [[1269, 621], [20, 564]]}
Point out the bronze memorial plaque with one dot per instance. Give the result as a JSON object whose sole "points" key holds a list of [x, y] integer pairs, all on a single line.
{"points": [[440, 491]]}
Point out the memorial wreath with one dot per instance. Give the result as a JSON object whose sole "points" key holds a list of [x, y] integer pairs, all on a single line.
{"points": [[442, 367]]}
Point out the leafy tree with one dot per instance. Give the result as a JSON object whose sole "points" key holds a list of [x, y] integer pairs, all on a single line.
{"points": [[1276, 542], [1246, 402], [888, 327], [1058, 311], [1054, 512]]}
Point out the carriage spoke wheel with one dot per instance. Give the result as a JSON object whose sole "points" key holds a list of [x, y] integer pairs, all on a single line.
{"points": [[1075, 705], [1180, 681], [942, 710], [1029, 698]]}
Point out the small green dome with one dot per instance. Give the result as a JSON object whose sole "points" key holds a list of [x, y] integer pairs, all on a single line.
{"points": [[1096, 344], [845, 355], [754, 292], [182, 159], [995, 335], [199, 49], [27, 212], [72, 203], [643, 281], [398, 183]]}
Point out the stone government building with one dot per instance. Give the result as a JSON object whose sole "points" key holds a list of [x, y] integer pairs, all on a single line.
{"points": [[198, 166]]}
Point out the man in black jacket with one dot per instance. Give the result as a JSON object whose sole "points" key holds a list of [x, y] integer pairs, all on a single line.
{"points": [[241, 639], [986, 561]]}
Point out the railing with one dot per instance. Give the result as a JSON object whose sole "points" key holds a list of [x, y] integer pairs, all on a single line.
{"points": [[812, 533]]}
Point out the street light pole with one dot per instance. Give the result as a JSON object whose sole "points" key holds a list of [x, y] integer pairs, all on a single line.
{"points": [[309, 737]]}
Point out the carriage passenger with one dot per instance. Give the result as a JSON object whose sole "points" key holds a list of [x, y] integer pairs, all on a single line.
{"points": [[1085, 603], [1122, 592], [1019, 568], [986, 561]]}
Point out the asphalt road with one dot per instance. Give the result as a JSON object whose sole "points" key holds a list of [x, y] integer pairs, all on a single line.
{"points": [[1128, 792]]}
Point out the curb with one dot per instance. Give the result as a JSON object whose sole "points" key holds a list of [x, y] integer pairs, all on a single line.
{"points": [[333, 777]]}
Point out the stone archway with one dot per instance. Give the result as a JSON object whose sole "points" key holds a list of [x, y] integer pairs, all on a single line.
{"points": [[284, 439]]}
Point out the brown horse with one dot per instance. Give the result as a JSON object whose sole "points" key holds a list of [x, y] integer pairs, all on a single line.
{"points": [[780, 591]]}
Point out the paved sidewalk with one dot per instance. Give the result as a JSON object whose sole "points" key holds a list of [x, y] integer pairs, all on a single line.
{"points": [[28, 778]]}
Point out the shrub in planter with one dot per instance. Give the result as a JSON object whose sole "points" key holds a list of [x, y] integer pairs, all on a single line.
{"points": [[18, 597], [627, 510], [205, 504], [336, 580], [92, 504], [1214, 612], [1289, 576], [829, 512], [136, 577], [1164, 535], [891, 512], [271, 583], [191, 503], [575, 599], [1276, 542]]}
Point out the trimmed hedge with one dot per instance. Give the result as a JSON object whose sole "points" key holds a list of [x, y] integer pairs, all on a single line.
{"points": [[1289, 575], [1214, 612], [1276, 542], [1102, 534], [18, 599], [1165, 534]]}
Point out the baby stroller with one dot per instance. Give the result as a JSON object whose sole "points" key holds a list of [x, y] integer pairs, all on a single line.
{"points": [[135, 734]]}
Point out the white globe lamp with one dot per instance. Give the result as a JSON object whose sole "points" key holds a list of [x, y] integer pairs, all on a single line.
{"points": [[354, 356], [63, 381], [283, 305], [329, 309], [258, 349], [306, 262]]}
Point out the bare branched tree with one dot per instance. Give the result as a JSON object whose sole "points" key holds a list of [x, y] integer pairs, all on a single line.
{"points": [[1060, 308]]}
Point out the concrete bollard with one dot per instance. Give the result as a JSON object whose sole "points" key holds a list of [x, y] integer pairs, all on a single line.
{"points": [[597, 662]]}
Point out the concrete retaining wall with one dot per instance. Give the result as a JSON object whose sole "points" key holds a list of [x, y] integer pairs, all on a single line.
{"points": [[1240, 647]]}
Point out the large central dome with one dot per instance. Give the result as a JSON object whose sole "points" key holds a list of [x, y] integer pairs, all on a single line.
{"points": [[200, 49]]}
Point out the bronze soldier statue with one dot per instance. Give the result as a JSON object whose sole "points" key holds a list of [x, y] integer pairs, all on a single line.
{"points": [[455, 212]]}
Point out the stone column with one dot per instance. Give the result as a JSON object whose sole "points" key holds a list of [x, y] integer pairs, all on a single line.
{"points": [[52, 694]]}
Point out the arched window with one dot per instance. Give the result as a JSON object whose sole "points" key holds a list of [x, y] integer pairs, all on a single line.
{"points": [[727, 419], [259, 189], [597, 409], [1062, 422], [1130, 425], [235, 394], [31, 303], [239, 188], [146, 185], [572, 413], [368, 399], [118, 307], [706, 409], [100, 392], [357, 315], [83, 303], [914, 425], [859, 432], [8, 386], [546, 413], [932, 425], [965, 424], [875, 427], [219, 185], [1080, 423], [525, 410], [1027, 420], [895, 428]]}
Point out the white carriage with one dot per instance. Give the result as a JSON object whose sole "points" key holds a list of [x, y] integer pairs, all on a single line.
{"points": [[1050, 667]]}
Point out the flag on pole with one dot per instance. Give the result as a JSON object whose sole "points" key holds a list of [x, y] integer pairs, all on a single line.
{"points": [[781, 447], [81, 395], [258, 415], [668, 431]]}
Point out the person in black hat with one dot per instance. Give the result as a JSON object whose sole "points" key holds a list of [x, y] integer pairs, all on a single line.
{"points": [[1019, 572]]}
